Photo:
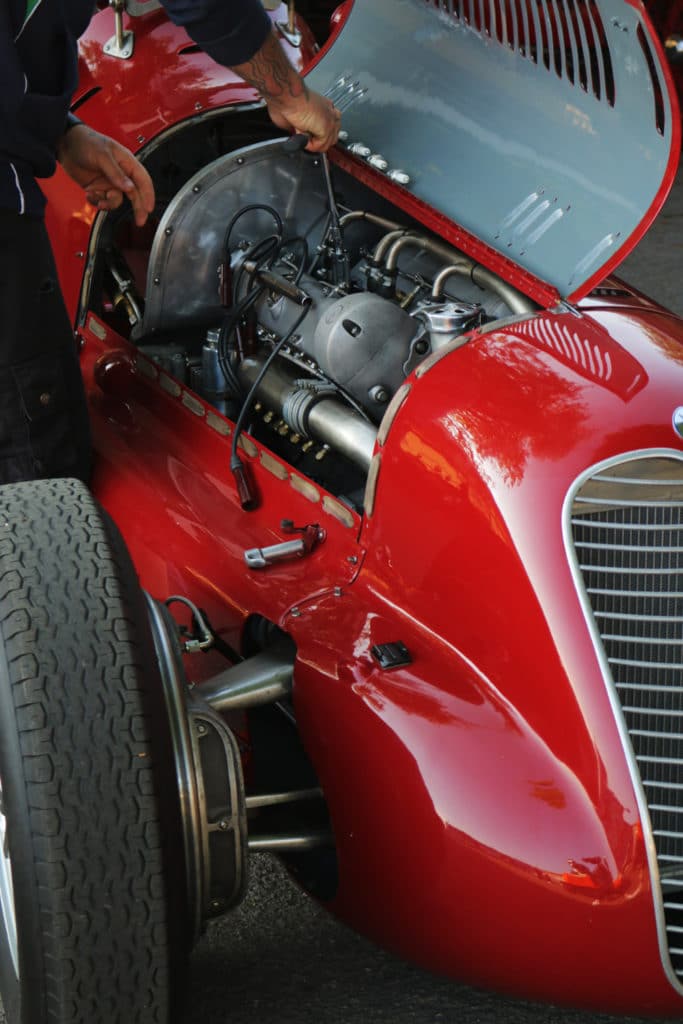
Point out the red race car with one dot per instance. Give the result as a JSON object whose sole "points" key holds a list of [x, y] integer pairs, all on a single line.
{"points": [[399, 466]]}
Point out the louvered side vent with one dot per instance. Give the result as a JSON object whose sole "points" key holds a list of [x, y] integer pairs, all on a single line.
{"points": [[567, 37], [627, 530]]}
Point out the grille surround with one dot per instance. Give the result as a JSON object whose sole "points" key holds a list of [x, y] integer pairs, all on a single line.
{"points": [[623, 531]]}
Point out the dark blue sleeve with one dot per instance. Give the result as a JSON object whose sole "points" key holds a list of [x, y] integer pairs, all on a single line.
{"points": [[230, 31]]}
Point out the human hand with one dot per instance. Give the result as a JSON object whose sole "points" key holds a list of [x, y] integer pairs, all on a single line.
{"points": [[312, 114], [291, 104], [106, 170]]}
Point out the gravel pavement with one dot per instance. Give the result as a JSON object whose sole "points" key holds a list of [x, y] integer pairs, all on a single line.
{"points": [[280, 959], [656, 264]]}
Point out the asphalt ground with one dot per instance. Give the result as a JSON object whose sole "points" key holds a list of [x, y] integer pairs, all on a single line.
{"points": [[656, 264], [281, 959]]}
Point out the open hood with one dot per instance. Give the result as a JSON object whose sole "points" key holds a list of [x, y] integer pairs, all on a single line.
{"points": [[546, 128]]}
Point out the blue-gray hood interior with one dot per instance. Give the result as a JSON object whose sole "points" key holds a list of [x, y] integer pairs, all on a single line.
{"points": [[543, 127]]}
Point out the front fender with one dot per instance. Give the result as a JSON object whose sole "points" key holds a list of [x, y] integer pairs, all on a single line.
{"points": [[499, 735]]}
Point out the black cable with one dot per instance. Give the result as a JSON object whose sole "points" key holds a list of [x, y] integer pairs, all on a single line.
{"points": [[228, 327], [262, 251], [247, 497], [247, 209]]}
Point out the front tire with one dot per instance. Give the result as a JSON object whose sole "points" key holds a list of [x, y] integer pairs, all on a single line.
{"points": [[92, 892]]}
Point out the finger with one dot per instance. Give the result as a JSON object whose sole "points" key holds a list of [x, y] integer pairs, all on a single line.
{"points": [[322, 141], [333, 125], [143, 187], [140, 211], [105, 199], [325, 137], [122, 171], [111, 173]]}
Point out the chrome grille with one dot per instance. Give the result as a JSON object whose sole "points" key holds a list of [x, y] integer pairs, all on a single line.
{"points": [[627, 531]]}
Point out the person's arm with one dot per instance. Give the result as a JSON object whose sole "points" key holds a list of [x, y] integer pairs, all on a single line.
{"points": [[291, 104], [239, 35]]}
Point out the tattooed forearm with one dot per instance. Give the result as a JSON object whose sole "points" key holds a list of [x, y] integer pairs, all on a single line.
{"points": [[270, 72], [291, 105]]}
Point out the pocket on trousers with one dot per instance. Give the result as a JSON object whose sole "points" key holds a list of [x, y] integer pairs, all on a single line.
{"points": [[46, 415]]}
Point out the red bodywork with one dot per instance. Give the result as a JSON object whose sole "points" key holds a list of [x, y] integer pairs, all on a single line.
{"points": [[484, 813]]}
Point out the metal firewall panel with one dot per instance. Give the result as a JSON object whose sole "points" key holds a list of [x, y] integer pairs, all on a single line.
{"points": [[189, 244], [544, 127]]}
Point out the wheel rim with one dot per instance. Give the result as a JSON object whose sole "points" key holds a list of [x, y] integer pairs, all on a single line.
{"points": [[7, 908]]}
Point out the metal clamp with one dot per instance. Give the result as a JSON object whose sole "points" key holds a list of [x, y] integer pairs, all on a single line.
{"points": [[202, 639]]}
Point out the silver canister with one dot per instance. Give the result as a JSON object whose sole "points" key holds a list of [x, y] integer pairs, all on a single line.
{"points": [[446, 320]]}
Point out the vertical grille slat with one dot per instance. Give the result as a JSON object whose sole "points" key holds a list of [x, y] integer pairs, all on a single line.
{"points": [[627, 531]]}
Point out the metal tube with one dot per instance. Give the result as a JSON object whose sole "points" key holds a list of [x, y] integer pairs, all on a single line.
{"points": [[456, 269], [262, 679], [344, 430], [514, 299], [290, 797], [445, 252], [118, 26], [330, 421], [371, 218], [280, 843], [385, 243], [335, 239]]}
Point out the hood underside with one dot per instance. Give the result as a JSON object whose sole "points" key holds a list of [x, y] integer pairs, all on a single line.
{"points": [[547, 128]]}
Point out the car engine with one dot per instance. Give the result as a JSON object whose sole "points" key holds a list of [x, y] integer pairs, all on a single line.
{"points": [[295, 300]]}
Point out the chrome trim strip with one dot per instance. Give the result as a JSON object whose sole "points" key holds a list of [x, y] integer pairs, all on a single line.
{"points": [[627, 503], [596, 546], [613, 526], [634, 663], [629, 593], [638, 784], [651, 689], [626, 572], [657, 641], [638, 618], [638, 482], [652, 711]]}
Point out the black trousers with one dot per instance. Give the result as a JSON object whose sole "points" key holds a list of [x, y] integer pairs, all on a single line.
{"points": [[44, 427]]}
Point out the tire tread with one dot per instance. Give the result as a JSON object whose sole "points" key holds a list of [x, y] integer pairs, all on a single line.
{"points": [[79, 656]]}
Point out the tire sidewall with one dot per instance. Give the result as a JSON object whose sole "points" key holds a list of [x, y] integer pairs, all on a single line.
{"points": [[23, 998]]}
